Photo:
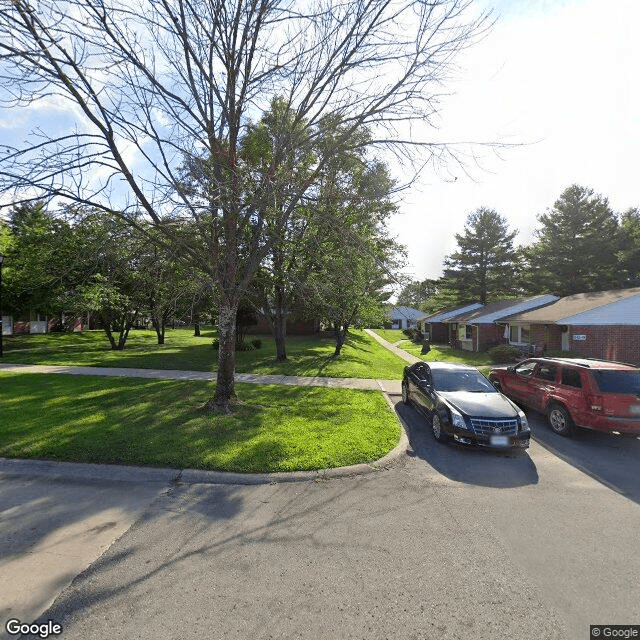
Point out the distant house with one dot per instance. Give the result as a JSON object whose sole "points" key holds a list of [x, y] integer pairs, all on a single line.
{"points": [[435, 326], [603, 325], [482, 328], [405, 317]]}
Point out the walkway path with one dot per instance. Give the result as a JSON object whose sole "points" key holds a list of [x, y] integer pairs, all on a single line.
{"points": [[387, 386], [387, 345]]}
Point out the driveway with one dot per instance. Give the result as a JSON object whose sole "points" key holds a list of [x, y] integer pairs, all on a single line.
{"points": [[448, 543]]}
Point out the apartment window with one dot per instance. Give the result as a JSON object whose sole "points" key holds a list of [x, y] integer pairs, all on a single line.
{"points": [[519, 334]]}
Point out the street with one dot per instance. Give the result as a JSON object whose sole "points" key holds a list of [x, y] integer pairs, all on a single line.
{"points": [[447, 543]]}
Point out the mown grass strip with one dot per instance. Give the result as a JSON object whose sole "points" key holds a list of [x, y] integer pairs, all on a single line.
{"points": [[362, 356], [163, 423]]}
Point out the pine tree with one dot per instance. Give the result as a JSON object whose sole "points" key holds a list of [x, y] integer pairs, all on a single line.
{"points": [[483, 269], [576, 247]]}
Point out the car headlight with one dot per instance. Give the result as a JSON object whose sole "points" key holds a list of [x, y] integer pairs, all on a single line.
{"points": [[457, 420], [524, 423]]}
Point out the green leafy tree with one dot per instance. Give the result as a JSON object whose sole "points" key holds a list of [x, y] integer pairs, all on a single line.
{"points": [[116, 291], [576, 247], [179, 81], [116, 310], [484, 267], [628, 254], [418, 294], [41, 266]]}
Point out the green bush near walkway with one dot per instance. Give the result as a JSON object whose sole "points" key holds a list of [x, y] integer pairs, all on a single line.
{"points": [[362, 356], [164, 423]]}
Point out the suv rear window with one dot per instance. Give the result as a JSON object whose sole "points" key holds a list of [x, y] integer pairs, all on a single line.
{"points": [[571, 378], [618, 381]]}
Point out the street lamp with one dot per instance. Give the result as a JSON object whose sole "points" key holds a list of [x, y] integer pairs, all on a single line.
{"points": [[1, 327]]}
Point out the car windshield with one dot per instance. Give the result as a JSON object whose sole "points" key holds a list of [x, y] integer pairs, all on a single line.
{"points": [[467, 380], [618, 381]]}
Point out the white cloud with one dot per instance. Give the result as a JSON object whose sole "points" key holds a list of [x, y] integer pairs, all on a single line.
{"points": [[560, 73]]}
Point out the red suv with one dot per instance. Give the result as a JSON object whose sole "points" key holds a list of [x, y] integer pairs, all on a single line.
{"points": [[599, 395]]}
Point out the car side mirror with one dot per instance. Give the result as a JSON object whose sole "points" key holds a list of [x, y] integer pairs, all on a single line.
{"points": [[511, 369]]}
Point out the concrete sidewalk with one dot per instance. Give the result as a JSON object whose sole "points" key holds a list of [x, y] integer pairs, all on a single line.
{"points": [[387, 345], [386, 386]]}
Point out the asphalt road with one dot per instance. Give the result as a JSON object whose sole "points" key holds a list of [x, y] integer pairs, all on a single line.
{"points": [[449, 543]]}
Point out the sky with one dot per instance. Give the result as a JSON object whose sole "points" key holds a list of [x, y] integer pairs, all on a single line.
{"points": [[559, 79], [556, 79]]}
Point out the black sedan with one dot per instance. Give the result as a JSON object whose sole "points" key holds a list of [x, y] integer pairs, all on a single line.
{"points": [[461, 404]]}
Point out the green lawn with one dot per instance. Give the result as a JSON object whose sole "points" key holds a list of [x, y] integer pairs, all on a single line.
{"points": [[163, 423], [362, 356], [447, 355], [391, 335]]}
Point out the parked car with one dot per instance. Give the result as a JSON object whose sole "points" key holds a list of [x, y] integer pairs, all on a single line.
{"points": [[461, 404], [594, 394]]}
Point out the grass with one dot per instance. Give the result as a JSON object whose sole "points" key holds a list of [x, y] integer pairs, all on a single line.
{"points": [[362, 356], [163, 423], [391, 335], [448, 355]]}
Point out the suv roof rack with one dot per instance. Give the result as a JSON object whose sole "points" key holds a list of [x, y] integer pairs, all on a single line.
{"points": [[576, 362], [580, 362]]}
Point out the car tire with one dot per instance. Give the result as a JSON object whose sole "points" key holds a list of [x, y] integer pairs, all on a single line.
{"points": [[437, 429], [560, 421], [405, 393]]}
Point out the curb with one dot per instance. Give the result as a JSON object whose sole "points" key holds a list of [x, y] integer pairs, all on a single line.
{"points": [[88, 472]]}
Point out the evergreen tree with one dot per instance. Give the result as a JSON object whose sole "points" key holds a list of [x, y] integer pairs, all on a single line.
{"points": [[576, 247], [484, 267], [629, 248]]}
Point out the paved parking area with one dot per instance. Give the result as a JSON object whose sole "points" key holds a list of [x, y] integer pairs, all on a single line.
{"points": [[447, 543]]}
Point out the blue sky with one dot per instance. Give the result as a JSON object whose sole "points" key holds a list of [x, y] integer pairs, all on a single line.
{"points": [[562, 75], [558, 76]]}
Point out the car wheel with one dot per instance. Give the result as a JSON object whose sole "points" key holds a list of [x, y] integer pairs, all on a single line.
{"points": [[560, 420], [405, 393], [436, 427]]}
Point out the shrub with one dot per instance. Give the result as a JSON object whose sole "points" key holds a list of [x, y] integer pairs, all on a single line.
{"points": [[504, 353], [216, 344], [244, 346], [257, 343], [408, 332]]}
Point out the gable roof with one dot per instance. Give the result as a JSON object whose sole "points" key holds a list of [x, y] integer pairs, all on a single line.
{"points": [[409, 313], [495, 311], [449, 314], [617, 306]]}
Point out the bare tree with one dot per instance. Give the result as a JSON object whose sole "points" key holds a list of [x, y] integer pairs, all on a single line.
{"points": [[160, 87]]}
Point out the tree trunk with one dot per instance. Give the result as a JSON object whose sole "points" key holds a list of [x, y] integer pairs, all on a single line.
{"points": [[280, 334], [225, 384], [196, 324], [124, 334], [112, 342], [158, 325], [341, 335]]}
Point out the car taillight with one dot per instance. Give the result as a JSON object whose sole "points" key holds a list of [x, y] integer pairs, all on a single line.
{"points": [[594, 403]]}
